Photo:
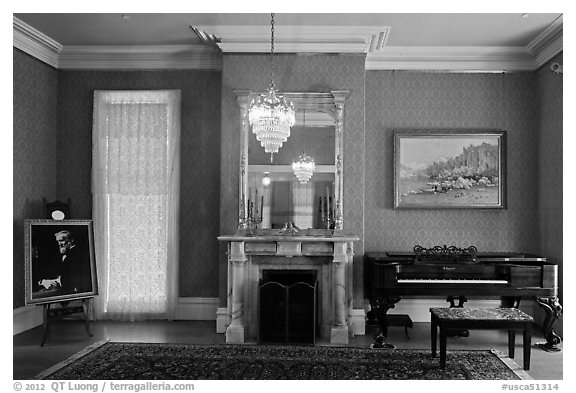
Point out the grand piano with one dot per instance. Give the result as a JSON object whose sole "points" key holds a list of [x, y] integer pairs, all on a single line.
{"points": [[457, 273]]}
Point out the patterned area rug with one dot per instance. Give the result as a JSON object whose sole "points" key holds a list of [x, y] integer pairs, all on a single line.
{"points": [[138, 361]]}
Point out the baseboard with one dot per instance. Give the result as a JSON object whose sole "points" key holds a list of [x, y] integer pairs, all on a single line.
{"points": [[206, 309], [197, 308], [357, 322], [26, 318], [222, 320], [189, 308]]}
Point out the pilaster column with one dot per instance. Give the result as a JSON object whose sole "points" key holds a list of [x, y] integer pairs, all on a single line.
{"points": [[339, 101], [237, 260], [243, 98], [339, 330]]}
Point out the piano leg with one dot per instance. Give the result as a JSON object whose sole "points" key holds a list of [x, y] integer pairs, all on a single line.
{"points": [[553, 310], [381, 307], [371, 319]]}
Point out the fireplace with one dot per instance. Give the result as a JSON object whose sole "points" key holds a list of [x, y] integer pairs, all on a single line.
{"points": [[251, 259]]}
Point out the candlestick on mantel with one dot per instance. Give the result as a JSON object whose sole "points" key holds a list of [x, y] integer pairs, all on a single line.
{"points": [[290, 202], [261, 208], [334, 207], [257, 211], [327, 204]]}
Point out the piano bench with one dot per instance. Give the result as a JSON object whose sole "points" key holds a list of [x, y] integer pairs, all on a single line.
{"points": [[400, 320], [510, 319]]}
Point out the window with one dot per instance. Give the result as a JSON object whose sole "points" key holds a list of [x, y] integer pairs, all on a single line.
{"points": [[135, 172]]}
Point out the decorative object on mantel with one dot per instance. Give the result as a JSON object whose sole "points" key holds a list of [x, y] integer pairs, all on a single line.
{"points": [[255, 209], [289, 229], [303, 168], [270, 114], [328, 210], [137, 361]]}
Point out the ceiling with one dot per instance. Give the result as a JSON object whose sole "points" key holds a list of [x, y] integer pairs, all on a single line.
{"points": [[440, 41]]}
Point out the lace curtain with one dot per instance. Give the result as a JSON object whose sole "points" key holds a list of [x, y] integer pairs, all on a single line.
{"points": [[135, 171]]}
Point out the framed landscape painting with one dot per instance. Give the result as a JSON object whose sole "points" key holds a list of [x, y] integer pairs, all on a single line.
{"points": [[449, 169], [60, 264]]}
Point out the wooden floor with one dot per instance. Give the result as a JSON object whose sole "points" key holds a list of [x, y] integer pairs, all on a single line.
{"points": [[69, 337]]}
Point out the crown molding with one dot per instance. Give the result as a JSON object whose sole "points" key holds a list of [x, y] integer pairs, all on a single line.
{"points": [[478, 59], [482, 59], [300, 39], [548, 43], [140, 57], [371, 40], [35, 43]]}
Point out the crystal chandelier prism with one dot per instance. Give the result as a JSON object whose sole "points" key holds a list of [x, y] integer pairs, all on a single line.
{"points": [[270, 114], [303, 168]]}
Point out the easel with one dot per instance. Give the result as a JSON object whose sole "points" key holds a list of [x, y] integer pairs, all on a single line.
{"points": [[64, 310]]}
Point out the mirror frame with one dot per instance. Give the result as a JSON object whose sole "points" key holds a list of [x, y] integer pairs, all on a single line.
{"points": [[331, 103]]}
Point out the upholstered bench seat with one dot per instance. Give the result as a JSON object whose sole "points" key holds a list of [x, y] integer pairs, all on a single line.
{"points": [[510, 319]]}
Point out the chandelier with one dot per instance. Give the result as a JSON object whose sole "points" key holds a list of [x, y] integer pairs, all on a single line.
{"points": [[303, 168], [270, 114]]}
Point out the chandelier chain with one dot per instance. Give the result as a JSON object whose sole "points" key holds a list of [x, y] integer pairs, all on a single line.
{"points": [[272, 65]]}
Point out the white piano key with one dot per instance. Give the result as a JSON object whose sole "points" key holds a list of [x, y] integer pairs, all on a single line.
{"points": [[450, 281]]}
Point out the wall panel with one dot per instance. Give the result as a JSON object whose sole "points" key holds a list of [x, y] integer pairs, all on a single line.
{"points": [[417, 100], [34, 151]]}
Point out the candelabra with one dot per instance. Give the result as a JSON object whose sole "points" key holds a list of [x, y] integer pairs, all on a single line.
{"points": [[254, 215], [327, 213]]}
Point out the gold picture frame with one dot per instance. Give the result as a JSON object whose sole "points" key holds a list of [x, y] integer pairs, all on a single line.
{"points": [[450, 169], [60, 262]]}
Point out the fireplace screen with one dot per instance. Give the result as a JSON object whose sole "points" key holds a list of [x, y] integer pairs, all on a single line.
{"points": [[287, 312]]}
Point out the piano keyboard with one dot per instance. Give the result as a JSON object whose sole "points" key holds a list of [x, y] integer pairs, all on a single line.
{"points": [[449, 281]]}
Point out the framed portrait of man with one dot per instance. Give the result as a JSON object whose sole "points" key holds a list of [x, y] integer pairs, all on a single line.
{"points": [[60, 263]]}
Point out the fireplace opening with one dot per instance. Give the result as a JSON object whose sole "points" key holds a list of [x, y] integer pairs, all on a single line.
{"points": [[288, 306]]}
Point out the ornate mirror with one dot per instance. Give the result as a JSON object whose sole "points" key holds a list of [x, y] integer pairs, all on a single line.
{"points": [[270, 195]]}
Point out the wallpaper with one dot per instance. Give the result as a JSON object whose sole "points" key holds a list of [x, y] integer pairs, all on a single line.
{"points": [[34, 151], [550, 143], [310, 73], [200, 158], [52, 152], [411, 100]]}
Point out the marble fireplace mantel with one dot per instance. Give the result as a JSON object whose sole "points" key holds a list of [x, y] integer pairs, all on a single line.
{"points": [[330, 255]]}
